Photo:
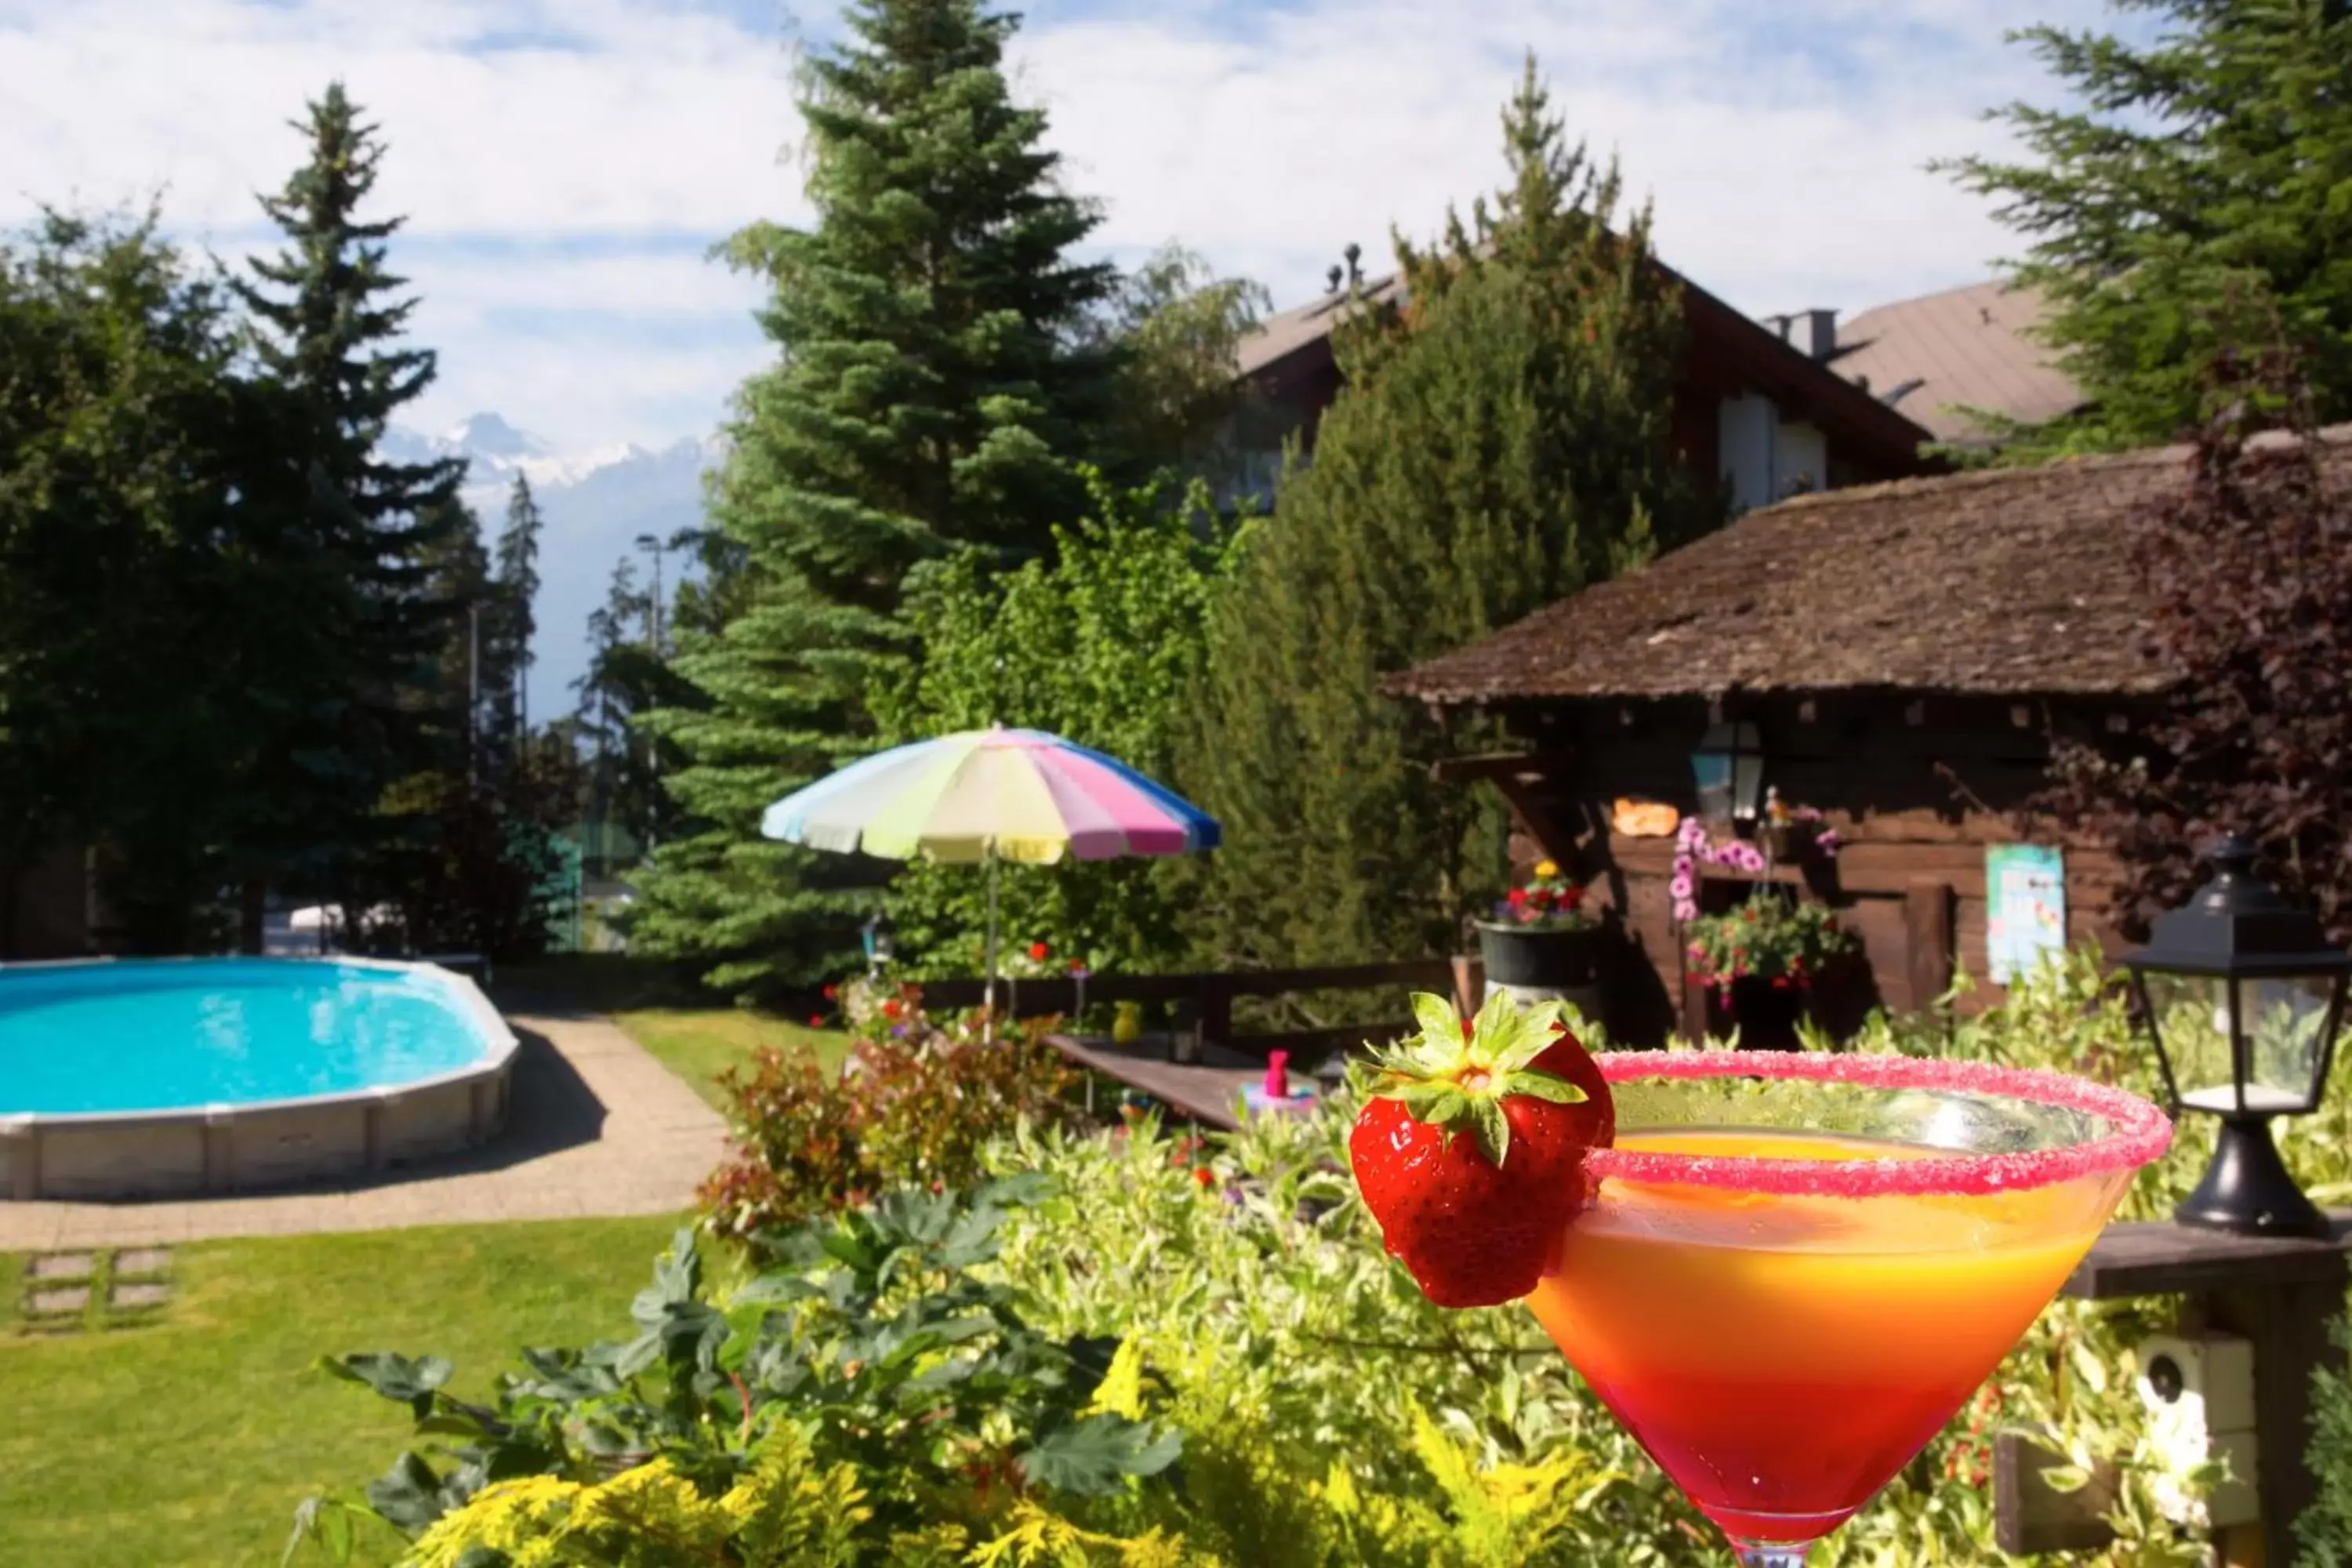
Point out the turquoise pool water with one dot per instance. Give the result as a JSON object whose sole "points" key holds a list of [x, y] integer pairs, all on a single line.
{"points": [[175, 1035]]}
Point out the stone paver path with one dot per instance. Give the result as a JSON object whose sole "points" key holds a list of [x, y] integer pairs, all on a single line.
{"points": [[598, 1127]]}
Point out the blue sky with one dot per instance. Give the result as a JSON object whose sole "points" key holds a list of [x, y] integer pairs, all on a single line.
{"points": [[564, 165]]}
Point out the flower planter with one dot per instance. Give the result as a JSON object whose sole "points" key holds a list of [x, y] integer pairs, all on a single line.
{"points": [[1767, 1015], [1538, 958]]}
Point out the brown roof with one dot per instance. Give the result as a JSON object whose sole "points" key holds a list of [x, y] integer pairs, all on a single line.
{"points": [[1285, 333], [1964, 348], [2005, 582]]}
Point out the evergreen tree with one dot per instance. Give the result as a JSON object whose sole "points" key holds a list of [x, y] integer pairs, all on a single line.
{"points": [[1502, 441], [935, 384], [2193, 202], [139, 604], [510, 658], [329, 322]]}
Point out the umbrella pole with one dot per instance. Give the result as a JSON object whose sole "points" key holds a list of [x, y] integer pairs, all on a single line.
{"points": [[991, 993]]}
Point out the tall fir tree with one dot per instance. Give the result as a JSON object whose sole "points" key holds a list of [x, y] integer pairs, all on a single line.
{"points": [[328, 323], [1502, 441], [2193, 202], [517, 590], [935, 384]]}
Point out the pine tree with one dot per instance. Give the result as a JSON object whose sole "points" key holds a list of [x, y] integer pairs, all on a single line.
{"points": [[327, 323], [1502, 441], [934, 386], [518, 587], [2195, 203]]}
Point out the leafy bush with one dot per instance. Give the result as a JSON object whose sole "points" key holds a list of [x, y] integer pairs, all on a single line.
{"points": [[2325, 1530], [1098, 642], [875, 1398], [912, 1106], [960, 1359], [1309, 1374]]}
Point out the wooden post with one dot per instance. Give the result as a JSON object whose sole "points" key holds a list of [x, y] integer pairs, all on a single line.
{"points": [[1469, 983], [1216, 1010], [2288, 1326], [1928, 939], [1694, 1008], [2282, 1294]]}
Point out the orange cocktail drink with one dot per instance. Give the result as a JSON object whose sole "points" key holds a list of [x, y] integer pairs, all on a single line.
{"points": [[1796, 1268]]}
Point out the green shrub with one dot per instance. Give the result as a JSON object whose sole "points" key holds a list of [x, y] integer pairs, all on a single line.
{"points": [[878, 1372], [912, 1106], [1301, 1361]]}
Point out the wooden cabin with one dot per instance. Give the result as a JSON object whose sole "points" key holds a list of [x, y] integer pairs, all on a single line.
{"points": [[1900, 656]]}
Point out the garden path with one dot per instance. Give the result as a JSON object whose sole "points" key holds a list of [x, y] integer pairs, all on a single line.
{"points": [[598, 1129]]}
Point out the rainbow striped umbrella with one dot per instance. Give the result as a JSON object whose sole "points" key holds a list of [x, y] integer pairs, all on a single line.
{"points": [[990, 795]]}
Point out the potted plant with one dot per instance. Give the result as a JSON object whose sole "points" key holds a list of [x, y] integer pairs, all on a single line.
{"points": [[1543, 937], [1761, 957]]}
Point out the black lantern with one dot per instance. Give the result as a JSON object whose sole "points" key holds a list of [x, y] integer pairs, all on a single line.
{"points": [[876, 935], [2245, 994], [1728, 767]]}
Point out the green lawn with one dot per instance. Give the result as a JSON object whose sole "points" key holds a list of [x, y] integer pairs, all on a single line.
{"points": [[190, 1441], [699, 1043]]}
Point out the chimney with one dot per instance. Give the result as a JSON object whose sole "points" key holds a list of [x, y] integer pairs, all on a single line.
{"points": [[1820, 334]]}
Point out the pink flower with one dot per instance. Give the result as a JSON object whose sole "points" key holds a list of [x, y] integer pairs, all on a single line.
{"points": [[1682, 887]]}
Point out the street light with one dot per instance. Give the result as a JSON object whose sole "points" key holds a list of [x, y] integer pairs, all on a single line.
{"points": [[2243, 994]]}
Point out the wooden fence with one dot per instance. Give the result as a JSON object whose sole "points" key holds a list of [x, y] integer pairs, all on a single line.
{"points": [[1209, 997]]}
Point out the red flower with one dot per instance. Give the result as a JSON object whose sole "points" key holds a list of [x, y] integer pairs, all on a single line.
{"points": [[1519, 895], [892, 1008], [1572, 897], [816, 1020], [831, 992], [1038, 952], [1077, 966], [1205, 1176]]}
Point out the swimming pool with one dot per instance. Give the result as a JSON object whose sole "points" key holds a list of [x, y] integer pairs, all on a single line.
{"points": [[138, 1078]]}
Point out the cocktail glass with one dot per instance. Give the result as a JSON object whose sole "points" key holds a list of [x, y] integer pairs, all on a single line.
{"points": [[1795, 1268]]}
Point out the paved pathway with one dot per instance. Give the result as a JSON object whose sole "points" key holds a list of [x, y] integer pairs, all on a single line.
{"points": [[598, 1127]]}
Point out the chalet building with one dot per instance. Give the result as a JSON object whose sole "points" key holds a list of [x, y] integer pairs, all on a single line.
{"points": [[1944, 360], [1896, 657], [1757, 408]]}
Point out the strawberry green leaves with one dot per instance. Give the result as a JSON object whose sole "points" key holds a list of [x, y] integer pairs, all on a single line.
{"points": [[1456, 1078]]}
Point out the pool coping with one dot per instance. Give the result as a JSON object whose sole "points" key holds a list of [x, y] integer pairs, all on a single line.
{"points": [[21, 1131]]}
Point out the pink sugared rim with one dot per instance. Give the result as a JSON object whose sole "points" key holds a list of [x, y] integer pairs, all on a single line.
{"points": [[2137, 1131]]}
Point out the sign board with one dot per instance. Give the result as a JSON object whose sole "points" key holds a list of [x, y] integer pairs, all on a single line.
{"points": [[2025, 908]]}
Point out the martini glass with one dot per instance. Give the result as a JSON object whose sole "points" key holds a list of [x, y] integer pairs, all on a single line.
{"points": [[1795, 1268]]}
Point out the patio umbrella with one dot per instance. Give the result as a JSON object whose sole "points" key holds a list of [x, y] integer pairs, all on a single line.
{"points": [[988, 796]]}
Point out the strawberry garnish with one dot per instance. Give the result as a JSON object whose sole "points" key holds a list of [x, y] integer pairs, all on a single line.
{"points": [[1470, 1148]]}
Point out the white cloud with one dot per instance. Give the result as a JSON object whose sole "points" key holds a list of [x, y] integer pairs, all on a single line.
{"points": [[603, 142]]}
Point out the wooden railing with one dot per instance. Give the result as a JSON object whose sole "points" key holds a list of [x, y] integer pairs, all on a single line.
{"points": [[1211, 996]]}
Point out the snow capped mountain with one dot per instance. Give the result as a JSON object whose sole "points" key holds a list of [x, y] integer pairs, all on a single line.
{"points": [[594, 506]]}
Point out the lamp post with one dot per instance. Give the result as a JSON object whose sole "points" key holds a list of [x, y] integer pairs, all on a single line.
{"points": [[1729, 768], [2243, 994]]}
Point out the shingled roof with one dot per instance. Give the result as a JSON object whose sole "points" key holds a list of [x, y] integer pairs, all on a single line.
{"points": [[2005, 582]]}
